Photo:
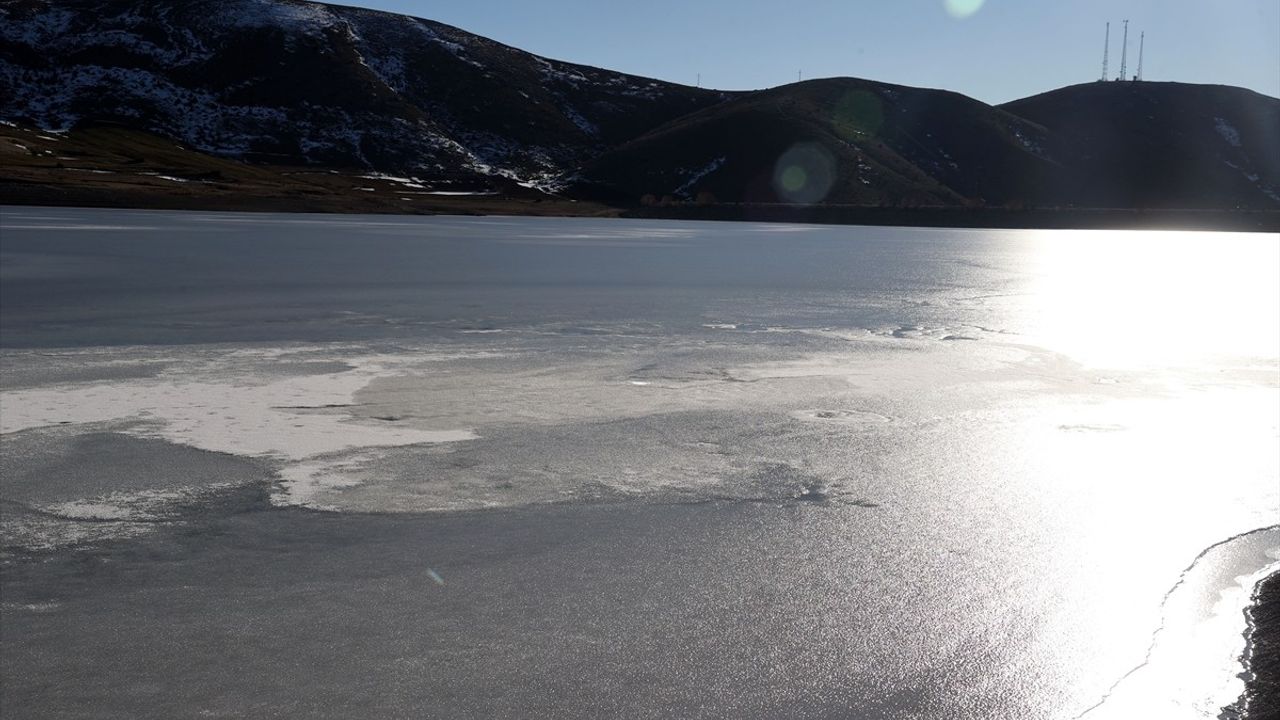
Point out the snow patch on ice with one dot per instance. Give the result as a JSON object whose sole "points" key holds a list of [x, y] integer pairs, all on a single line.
{"points": [[302, 484], [224, 411]]}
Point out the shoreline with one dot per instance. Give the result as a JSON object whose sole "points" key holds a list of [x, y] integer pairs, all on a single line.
{"points": [[1261, 699], [1265, 221], [1259, 221], [110, 167]]}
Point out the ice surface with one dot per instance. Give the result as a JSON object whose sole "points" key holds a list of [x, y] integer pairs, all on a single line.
{"points": [[729, 469]]}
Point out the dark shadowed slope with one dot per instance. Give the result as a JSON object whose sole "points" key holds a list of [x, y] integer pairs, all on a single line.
{"points": [[1108, 145], [839, 140], [1162, 145]]}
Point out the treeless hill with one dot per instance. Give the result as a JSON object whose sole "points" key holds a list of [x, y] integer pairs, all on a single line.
{"points": [[1162, 145]]}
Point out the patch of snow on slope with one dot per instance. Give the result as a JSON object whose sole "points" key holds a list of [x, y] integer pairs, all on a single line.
{"points": [[458, 49], [551, 72], [549, 183], [1032, 146], [306, 18], [41, 29], [389, 69], [1256, 179], [583, 124], [711, 167], [1227, 131], [56, 30], [405, 181]]}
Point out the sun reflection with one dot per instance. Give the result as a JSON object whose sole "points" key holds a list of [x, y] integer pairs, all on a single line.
{"points": [[1129, 300], [1178, 453], [1140, 486]]}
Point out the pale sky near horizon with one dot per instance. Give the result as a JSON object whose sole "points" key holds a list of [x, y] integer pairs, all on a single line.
{"points": [[993, 50]]}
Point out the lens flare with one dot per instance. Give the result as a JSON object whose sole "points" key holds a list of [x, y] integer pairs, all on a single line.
{"points": [[962, 9], [804, 174], [793, 179]]}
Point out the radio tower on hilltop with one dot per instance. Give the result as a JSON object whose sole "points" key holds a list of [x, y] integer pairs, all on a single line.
{"points": [[1106, 52], [1124, 53], [1142, 46]]}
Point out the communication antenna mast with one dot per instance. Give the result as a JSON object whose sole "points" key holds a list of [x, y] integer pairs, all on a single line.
{"points": [[1142, 46], [1124, 54], [1106, 52]]}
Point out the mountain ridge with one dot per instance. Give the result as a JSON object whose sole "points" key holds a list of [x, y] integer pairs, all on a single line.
{"points": [[420, 105]]}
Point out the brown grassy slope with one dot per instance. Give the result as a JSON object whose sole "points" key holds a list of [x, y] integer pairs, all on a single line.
{"points": [[108, 166]]}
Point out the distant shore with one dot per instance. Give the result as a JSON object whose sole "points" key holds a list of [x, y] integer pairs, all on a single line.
{"points": [[114, 167], [1031, 218], [149, 198]]}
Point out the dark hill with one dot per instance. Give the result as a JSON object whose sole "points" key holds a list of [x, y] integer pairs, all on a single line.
{"points": [[839, 140], [1146, 144], [1106, 145]]}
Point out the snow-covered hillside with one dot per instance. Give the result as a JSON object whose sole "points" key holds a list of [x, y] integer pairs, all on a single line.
{"points": [[294, 82]]}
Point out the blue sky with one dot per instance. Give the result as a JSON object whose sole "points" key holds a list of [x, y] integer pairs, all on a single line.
{"points": [[1002, 50]]}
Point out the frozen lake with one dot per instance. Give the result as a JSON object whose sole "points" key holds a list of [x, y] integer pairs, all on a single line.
{"points": [[299, 465]]}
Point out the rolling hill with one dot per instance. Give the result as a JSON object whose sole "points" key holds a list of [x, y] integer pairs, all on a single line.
{"points": [[299, 83], [1162, 144], [835, 140], [354, 108]]}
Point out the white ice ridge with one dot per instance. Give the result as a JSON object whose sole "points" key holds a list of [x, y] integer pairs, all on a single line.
{"points": [[229, 407]]}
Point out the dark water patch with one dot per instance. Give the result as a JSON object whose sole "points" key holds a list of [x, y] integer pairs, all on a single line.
{"points": [[45, 533], [66, 490], [50, 466]]}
